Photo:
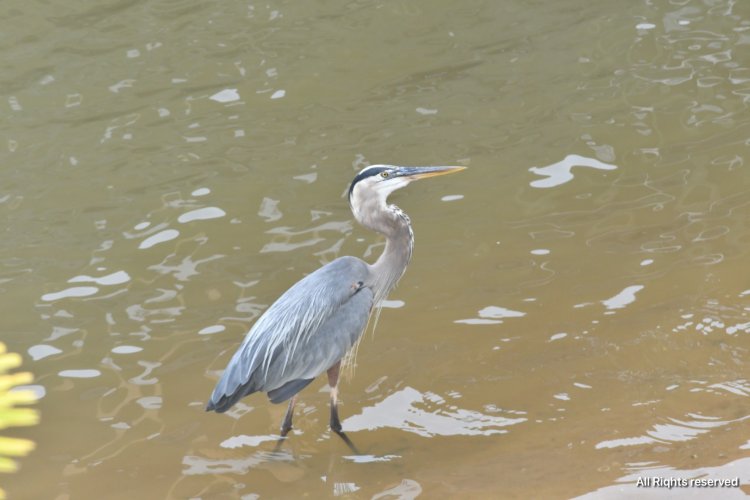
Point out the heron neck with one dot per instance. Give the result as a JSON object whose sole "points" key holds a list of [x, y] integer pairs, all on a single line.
{"points": [[391, 264]]}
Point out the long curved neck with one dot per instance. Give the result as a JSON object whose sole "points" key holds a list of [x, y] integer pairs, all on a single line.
{"points": [[392, 263], [394, 224]]}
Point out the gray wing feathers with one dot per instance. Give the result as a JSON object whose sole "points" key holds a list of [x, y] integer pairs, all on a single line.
{"points": [[288, 390], [308, 329]]}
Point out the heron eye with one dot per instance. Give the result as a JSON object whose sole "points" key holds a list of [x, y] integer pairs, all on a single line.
{"points": [[384, 175]]}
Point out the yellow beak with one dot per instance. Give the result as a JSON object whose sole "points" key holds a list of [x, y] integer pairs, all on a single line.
{"points": [[425, 172]]}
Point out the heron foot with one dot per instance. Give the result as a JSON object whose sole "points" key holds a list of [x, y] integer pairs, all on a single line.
{"points": [[335, 422], [279, 442]]}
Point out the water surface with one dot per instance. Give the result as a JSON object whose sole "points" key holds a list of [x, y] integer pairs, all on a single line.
{"points": [[576, 313]]}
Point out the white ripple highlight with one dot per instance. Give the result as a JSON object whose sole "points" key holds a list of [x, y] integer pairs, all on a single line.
{"points": [[126, 349], [452, 197], [492, 315], [86, 373], [560, 172], [412, 411], [41, 351], [201, 214], [622, 299], [160, 237], [116, 278], [226, 95], [210, 330], [76, 291]]}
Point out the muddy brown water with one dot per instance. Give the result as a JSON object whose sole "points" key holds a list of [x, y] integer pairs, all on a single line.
{"points": [[576, 315]]}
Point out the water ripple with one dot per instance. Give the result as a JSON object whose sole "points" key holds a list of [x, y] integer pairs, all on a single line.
{"points": [[201, 214], [160, 237], [623, 298], [401, 410], [561, 172]]}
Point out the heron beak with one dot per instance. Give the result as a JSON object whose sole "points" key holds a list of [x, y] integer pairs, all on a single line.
{"points": [[415, 173]]}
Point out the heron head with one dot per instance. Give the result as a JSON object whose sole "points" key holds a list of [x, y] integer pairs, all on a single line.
{"points": [[376, 182]]}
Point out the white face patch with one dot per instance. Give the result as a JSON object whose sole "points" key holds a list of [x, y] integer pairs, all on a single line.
{"points": [[386, 186], [376, 187]]}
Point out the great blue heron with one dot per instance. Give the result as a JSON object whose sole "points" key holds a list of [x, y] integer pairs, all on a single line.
{"points": [[310, 328]]}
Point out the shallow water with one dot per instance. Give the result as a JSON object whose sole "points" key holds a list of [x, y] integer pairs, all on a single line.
{"points": [[576, 315]]}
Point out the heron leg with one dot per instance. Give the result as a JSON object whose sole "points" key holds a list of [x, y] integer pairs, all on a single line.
{"points": [[333, 380], [286, 424]]}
